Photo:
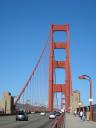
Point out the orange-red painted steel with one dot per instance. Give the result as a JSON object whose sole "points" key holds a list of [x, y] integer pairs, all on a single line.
{"points": [[66, 88]]}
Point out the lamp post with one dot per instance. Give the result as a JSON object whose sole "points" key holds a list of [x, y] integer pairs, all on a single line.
{"points": [[90, 82]]}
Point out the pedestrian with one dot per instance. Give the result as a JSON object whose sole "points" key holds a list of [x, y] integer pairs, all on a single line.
{"points": [[81, 114], [75, 112], [83, 117]]}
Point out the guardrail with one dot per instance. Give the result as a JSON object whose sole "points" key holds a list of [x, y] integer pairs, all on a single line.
{"points": [[58, 122]]}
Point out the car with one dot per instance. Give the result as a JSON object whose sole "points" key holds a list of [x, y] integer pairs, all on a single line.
{"points": [[58, 113], [21, 115], [52, 115], [32, 112], [42, 113]]}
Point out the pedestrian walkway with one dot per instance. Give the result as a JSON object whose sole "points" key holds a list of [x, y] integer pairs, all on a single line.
{"points": [[75, 122]]}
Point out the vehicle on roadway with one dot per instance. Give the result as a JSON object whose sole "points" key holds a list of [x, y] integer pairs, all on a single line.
{"points": [[52, 115], [42, 114], [58, 113], [21, 115], [32, 112]]}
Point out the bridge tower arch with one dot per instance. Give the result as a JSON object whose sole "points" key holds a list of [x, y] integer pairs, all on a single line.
{"points": [[65, 88]]}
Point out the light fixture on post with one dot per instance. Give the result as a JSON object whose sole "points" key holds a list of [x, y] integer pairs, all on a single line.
{"points": [[90, 82]]}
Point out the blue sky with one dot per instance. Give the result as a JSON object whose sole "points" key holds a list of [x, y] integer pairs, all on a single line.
{"points": [[24, 28]]}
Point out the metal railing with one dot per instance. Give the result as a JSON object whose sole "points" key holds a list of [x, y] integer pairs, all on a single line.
{"points": [[58, 122]]}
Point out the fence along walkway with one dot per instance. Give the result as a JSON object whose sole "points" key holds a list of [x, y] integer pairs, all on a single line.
{"points": [[58, 122], [75, 122]]}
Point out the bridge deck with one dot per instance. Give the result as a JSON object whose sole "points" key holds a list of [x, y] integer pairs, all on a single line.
{"points": [[75, 122]]}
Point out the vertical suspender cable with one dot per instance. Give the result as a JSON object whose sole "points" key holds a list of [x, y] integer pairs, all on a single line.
{"points": [[30, 77]]}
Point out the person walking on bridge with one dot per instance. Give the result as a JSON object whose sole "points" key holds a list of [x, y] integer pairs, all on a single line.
{"points": [[81, 114], [75, 112]]}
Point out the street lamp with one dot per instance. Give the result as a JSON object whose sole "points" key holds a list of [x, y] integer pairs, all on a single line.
{"points": [[90, 82]]}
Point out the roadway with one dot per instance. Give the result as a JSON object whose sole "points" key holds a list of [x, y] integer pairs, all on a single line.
{"points": [[35, 121]]}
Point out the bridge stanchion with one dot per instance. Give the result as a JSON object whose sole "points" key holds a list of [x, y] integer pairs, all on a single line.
{"points": [[66, 87]]}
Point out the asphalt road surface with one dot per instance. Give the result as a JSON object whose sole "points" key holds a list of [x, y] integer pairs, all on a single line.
{"points": [[35, 121]]}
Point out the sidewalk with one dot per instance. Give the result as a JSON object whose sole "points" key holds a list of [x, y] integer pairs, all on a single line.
{"points": [[75, 122]]}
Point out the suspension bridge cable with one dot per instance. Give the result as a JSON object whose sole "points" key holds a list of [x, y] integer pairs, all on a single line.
{"points": [[30, 77]]}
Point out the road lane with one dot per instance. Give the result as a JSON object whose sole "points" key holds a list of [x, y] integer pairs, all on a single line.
{"points": [[6, 120], [41, 122], [35, 121]]}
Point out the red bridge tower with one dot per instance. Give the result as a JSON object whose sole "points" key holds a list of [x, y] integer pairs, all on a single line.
{"points": [[65, 88]]}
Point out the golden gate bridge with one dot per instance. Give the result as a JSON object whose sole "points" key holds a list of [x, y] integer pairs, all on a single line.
{"points": [[40, 90]]}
